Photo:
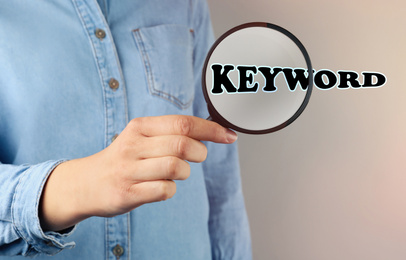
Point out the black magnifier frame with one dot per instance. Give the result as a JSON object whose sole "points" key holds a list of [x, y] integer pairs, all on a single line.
{"points": [[215, 115]]}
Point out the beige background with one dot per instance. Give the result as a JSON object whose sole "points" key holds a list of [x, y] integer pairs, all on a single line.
{"points": [[333, 184]]}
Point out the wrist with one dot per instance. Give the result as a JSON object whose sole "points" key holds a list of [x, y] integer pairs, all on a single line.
{"points": [[61, 205]]}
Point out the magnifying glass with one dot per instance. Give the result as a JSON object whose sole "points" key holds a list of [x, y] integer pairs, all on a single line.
{"points": [[257, 78]]}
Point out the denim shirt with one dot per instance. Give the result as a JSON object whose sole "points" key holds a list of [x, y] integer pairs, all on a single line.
{"points": [[72, 74]]}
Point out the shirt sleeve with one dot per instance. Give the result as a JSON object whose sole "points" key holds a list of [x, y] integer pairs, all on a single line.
{"points": [[228, 222], [20, 230]]}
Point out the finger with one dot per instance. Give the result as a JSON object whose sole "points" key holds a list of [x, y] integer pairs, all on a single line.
{"points": [[162, 168], [194, 127], [152, 191], [179, 146]]}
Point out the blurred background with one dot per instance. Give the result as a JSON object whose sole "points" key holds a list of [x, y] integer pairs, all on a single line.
{"points": [[332, 185]]}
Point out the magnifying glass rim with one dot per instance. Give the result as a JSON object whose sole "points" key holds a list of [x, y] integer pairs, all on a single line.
{"points": [[215, 115]]}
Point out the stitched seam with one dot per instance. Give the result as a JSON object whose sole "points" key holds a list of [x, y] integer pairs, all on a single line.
{"points": [[173, 99], [146, 63], [105, 8]]}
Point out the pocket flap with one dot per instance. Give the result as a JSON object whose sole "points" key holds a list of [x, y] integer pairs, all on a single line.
{"points": [[167, 53]]}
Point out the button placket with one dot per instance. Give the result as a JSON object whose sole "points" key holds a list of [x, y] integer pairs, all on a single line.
{"points": [[116, 228]]}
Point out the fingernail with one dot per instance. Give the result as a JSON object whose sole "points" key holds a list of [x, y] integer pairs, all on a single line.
{"points": [[231, 136]]}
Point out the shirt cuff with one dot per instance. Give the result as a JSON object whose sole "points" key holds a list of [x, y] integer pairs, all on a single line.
{"points": [[25, 212]]}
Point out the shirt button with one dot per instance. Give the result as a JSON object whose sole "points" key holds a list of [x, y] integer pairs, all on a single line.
{"points": [[118, 250], [114, 137], [113, 83], [100, 33]]}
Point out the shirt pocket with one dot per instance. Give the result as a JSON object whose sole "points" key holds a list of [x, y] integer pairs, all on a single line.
{"points": [[167, 54]]}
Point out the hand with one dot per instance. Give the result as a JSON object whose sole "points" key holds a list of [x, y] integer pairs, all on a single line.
{"points": [[137, 168]]}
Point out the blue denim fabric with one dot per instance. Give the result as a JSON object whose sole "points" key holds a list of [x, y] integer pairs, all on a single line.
{"points": [[56, 104]]}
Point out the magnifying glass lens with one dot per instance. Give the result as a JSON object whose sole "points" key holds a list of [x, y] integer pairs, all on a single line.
{"points": [[257, 78]]}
